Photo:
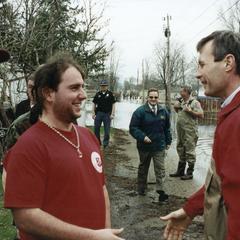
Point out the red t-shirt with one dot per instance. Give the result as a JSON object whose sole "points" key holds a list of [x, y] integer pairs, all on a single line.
{"points": [[44, 171]]}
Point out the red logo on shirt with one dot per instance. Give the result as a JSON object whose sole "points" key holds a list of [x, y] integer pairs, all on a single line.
{"points": [[96, 161]]}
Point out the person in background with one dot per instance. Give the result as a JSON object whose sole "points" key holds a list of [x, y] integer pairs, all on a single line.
{"points": [[150, 126], [25, 105], [188, 110], [16, 129], [7, 106], [23, 121], [4, 55], [103, 112], [218, 200], [60, 163], [4, 121]]}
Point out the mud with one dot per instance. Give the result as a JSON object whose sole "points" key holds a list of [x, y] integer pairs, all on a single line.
{"points": [[139, 215]]}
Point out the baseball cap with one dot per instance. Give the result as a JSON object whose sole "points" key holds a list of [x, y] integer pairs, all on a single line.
{"points": [[103, 83], [4, 55]]}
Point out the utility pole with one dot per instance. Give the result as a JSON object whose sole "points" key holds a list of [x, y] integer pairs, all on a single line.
{"points": [[183, 73], [143, 82], [137, 77], [137, 84], [167, 34]]}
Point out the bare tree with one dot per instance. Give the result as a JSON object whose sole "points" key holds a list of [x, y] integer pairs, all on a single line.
{"points": [[113, 69], [92, 48], [177, 68], [231, 17], [190, 76]]}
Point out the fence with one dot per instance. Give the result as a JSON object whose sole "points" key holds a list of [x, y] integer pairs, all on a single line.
{"points": [[211, 107]]}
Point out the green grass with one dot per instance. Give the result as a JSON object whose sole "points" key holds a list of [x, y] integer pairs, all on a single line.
{"points": [[7, 231]]}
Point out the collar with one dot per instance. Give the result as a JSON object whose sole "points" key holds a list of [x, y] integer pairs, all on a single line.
{"points": [[235, 103], [230, 97], [148, 107], [151, 106]]}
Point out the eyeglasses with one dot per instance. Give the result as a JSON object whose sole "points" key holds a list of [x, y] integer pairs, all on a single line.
{"points": [[153, 97]]}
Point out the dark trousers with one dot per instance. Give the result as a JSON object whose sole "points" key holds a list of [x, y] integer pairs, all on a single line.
{"points": [[159, 168], [102, 117]]}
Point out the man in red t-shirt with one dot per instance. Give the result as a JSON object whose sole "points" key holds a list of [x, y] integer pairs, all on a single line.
{"points": [[219, 200], [55, 184]]}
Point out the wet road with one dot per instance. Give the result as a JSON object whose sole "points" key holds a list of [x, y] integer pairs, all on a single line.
{"points": [[140, 215], [122, 118], [124, 112]]}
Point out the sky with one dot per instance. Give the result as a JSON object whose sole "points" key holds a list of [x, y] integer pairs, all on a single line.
{"points": [[136, 26]]}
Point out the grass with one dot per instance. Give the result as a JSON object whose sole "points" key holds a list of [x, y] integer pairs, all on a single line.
{"points": [[7, 231]]}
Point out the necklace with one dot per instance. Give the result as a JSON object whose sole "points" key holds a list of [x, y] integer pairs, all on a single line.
{"points": [[77, 147]]}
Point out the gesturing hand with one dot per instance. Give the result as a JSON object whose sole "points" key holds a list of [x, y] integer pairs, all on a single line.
{"points": [[147, 140], [178, 221]]}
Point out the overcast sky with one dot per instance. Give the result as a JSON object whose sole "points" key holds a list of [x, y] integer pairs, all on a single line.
{"points": [[137, 25]]}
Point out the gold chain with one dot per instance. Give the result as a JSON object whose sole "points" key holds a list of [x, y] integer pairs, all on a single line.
{"points": [[77, 147]]}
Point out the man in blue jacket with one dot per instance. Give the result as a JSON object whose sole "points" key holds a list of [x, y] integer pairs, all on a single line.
{"points": [[150, 126]]}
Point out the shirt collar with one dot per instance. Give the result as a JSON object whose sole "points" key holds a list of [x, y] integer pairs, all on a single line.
{"points": [[151, 106], [104, 92], [230, 97]]}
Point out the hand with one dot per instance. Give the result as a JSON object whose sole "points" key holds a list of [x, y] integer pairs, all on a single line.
{"points": [[112, 116], [178, 221], [176, 105], [147, 140], [108, 234], [187, 109], [167, 147], [93, 116]]}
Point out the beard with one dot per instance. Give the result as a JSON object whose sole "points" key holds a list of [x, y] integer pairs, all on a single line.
{"points": [[65, 114]]}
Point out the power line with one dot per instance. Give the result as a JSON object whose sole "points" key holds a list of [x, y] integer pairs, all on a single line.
{"points": [[194, 20], [211, 23], [200, 15]]}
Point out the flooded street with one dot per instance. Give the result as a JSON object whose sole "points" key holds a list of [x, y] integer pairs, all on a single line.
{"points": [[139, 215], [123, 115], [122, 119]]}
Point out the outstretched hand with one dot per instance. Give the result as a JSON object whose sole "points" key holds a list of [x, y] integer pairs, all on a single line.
{"points": [[178, 221]]}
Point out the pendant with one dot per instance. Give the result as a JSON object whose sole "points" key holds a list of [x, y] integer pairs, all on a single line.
{"points": [[79, 153]]}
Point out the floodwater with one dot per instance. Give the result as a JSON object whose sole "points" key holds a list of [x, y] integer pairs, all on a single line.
{"points": [[122, 119], [123, 115], [140, 215]]}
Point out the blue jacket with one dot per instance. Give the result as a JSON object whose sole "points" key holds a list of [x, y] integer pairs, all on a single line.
{"points": [[157, 127]]}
